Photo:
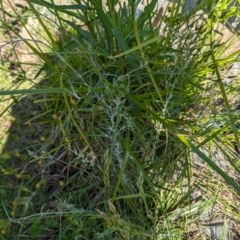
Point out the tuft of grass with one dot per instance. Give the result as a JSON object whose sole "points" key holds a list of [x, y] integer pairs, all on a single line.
{"points": [[106, 142]]}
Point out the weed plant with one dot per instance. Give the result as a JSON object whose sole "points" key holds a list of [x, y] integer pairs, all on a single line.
{"points": [[102, 143]]}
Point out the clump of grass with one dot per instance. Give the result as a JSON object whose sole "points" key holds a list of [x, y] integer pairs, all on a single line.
{"points": [[103, 145]]}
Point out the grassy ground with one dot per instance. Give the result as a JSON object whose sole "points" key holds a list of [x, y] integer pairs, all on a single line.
{"points": [[114, 135]]}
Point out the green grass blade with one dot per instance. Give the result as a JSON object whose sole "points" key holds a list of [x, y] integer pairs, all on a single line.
{"points": [[227, 179], [124, 47], [138, 47], [60, 7], [226, 102], [33, 91]]}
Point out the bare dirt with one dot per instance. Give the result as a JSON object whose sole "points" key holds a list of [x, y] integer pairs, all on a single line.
{"points": [[11, 50]]}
